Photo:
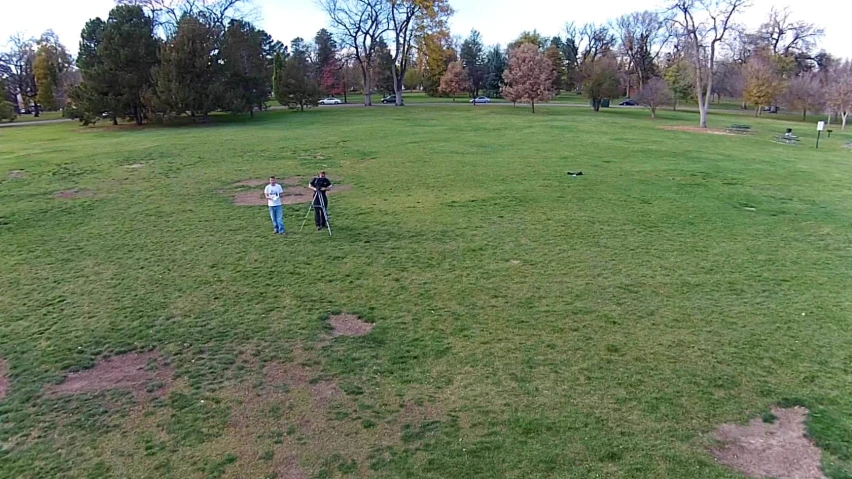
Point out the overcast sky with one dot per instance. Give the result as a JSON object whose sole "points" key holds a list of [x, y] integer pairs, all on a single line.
{"points": [[499, 21]]}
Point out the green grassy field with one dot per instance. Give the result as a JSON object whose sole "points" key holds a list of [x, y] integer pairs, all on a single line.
{"points": [[528, 323]]}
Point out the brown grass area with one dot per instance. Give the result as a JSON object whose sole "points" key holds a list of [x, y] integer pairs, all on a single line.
{"points": [[293, 194], [286, 420], [17, 174], [780, 449], [136, 372], [75, 193], [349, 325], [695, 129]]}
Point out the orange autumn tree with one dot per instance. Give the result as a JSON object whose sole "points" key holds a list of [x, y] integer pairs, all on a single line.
{"points": [[455, 80], [528, 77]]}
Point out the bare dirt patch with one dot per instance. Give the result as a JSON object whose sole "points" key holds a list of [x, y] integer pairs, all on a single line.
{"points": [[140, 373], [17, 174], [293, 194], [75, 193], [780, 450], [349, 325], [290, 469], [295, 375], [252, 182], [4, 378], [695, 129]]}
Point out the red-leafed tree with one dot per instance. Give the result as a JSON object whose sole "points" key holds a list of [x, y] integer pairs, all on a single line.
{"points": [[455, 80], [529, 76], [331, 79]]}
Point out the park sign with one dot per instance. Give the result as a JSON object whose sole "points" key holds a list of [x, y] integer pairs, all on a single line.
{"points": [[820, 127]]}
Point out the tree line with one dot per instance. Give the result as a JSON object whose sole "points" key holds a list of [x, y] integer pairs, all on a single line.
{"points": [[151, 59]]}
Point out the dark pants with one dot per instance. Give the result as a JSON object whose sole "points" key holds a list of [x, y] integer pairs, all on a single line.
{"points": [[319, 217]]}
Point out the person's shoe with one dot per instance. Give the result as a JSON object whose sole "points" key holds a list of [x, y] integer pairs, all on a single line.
{"points": [[320, 228]]}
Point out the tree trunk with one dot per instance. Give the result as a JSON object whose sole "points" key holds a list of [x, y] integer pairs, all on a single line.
{"points": [[756, 111], [804, 114], [702, 113], [137, 115], [344, 92], [114, 119], [398, 77], [36, 111], [653, 112], [674, 107], [368, 86], [251, 112], [533, 105], [301, 106], [843, 120]]}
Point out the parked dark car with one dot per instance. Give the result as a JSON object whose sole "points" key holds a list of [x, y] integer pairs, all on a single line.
{"points": [[771, 109], [628, 102], [389, 99]]}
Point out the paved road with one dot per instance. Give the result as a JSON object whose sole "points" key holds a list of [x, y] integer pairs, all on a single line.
{"points": [[36, 122], [413, 104]]}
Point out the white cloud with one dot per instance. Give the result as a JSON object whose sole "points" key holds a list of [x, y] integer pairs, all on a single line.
{"points": [[499, 21]]}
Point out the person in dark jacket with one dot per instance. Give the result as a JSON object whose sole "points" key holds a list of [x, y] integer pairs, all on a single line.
{"points": [[320, 184]]}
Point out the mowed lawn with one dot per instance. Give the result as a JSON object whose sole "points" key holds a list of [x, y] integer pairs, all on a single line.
{"points": [[528, 324]]}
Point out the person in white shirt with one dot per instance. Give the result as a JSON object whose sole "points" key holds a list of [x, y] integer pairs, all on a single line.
{"points": [[273, 192]]}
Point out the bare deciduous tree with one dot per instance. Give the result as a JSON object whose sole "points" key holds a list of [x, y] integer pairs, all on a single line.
{"points": [[838, 93], [529, 76], [360, 25], [704, 24], [787, 37], [653, 94], [167, 13], [20, 62], [804, 93], [642, 37]]}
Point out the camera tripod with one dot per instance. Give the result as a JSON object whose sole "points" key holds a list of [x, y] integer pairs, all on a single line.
{"points": [[318, 198]]}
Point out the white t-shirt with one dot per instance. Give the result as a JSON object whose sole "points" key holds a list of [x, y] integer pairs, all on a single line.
{"points": [[274, 194]]}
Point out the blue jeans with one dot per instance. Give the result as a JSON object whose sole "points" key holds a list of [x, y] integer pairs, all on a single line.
{"points": [[277, 215]]}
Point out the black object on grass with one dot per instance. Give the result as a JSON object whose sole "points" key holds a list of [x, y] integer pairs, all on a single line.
{"points": [[578, 173]]}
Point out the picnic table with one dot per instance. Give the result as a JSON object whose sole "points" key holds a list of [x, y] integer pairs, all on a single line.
{"points": [[786, 138], [738, 128]]}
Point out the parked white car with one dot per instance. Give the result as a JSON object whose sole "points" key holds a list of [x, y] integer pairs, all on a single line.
{"points": [[481, 99], [330, 101]]}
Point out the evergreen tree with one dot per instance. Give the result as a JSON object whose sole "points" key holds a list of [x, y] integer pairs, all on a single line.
{"points": [[472, 56], [186, 77], [495, 64], [296, 85], [129, 53], [383, 76], [245, 68]]}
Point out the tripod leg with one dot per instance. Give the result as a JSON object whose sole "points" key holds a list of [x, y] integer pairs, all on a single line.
{"points": [[307, 215], [325, 215]]}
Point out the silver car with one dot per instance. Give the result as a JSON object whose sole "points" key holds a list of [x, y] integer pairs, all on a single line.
{"points": [[481, 99], [330, 101]]}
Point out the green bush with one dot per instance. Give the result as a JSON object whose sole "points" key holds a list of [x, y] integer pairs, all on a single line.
{"points": [[7, 111]]}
